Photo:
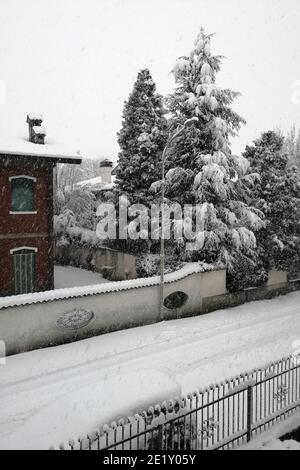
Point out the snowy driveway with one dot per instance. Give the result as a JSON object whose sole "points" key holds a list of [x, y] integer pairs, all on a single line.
{"points": [[68, 276], [76, 387]]}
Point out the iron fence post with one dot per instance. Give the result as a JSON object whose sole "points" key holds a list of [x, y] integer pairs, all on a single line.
{"points": [[160, 437], [249, 412]]}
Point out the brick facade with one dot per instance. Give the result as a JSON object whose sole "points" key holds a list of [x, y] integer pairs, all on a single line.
{"points": [[27, 230]]}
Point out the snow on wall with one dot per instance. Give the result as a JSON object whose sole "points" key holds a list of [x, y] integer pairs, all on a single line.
{"points": [[38, 297], [55, 317]]}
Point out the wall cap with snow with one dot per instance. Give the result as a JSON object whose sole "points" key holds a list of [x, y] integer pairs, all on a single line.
{"points": [[75, 292]]}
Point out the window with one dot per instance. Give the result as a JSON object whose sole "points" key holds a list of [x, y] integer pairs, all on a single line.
{"points": [[22, 189], [24, 269]]}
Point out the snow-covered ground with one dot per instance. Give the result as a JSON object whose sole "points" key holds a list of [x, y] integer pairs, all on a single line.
{"points": [[51, 395], [68, 276], [276, 444], [269, 440]]}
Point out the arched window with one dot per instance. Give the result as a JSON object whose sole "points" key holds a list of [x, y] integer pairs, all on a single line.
{"points": [[22, 190], [24, 269]]}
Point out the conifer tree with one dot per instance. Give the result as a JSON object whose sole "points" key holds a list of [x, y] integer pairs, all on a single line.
{"points": [[197, 94], [202, 169], [141, 140], [277, 195]]}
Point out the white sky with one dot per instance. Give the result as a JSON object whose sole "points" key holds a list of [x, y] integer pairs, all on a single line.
{"points": [[75, 61]]}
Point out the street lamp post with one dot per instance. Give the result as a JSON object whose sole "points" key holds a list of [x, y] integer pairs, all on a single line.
{"points": [[187, 123]]}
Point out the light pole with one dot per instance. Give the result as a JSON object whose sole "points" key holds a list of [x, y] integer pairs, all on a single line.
{"points": [[187, 123]]}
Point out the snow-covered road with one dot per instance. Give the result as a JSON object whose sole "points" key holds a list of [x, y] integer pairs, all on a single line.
{"points": [[51, 395]]}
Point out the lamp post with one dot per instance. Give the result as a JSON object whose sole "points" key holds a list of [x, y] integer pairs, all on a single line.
{"points": [[171, 138]]}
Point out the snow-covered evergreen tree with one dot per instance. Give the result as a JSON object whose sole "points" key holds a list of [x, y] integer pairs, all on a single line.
{"points": [[202, 169], [277, 195], [197, 94], [141, 140]]}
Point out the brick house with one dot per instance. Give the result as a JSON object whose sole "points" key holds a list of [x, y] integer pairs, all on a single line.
{"points": [[26, 211]]}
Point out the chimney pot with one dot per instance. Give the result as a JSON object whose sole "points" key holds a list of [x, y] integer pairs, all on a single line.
{"points": [[36, 132], [106, 167]]}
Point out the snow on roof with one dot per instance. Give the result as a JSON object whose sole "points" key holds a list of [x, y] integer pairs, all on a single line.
{"points": [[35, 117], [108, 186], [21, 146], [91, 182], [97, 184], [75, 292]]}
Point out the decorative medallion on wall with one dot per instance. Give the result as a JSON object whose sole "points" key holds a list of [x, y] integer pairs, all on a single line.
{"points": [[74, 320], [175, 300]]}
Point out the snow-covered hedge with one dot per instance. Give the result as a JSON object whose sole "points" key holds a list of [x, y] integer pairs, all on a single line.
{"points": [[68, 233]]}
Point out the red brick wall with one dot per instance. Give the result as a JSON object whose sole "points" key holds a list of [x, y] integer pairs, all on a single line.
{"points": [[32, 230]]}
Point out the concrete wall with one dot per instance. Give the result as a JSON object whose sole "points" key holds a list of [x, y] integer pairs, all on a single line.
{"points": [[276, 278], [128, 304], [32, 326], [114, 265]]}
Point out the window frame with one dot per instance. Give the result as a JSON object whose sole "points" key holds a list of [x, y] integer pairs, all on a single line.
{"points": [[31, 178], [21, 248]]}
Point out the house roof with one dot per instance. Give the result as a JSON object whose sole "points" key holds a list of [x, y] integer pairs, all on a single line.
{"points": [[49, 151], [91, 182], [34, 117], [96, 184]]}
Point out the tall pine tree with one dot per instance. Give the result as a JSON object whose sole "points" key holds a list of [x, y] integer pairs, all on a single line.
{"points": [[277, 195], [197, 94], [202, 169], [141, 140]]}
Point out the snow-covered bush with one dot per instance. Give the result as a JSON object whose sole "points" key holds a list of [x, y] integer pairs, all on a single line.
{"points": [[68, 233], [147, 265], [246, 274], [63, 222]]}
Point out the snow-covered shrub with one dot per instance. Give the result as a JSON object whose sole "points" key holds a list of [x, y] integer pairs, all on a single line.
{"points": [[147, 265], [63, 222], [83, 237], [246, 273], [68, 233]]}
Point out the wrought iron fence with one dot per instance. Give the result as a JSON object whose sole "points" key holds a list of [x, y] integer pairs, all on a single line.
{"points": [[222, 416]]}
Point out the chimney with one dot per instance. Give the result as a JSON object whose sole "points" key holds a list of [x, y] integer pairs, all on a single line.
{"points": [[37, 133], [106, 167]]}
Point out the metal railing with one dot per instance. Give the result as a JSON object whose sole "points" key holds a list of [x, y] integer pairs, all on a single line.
{"points": [[222, 416]]}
